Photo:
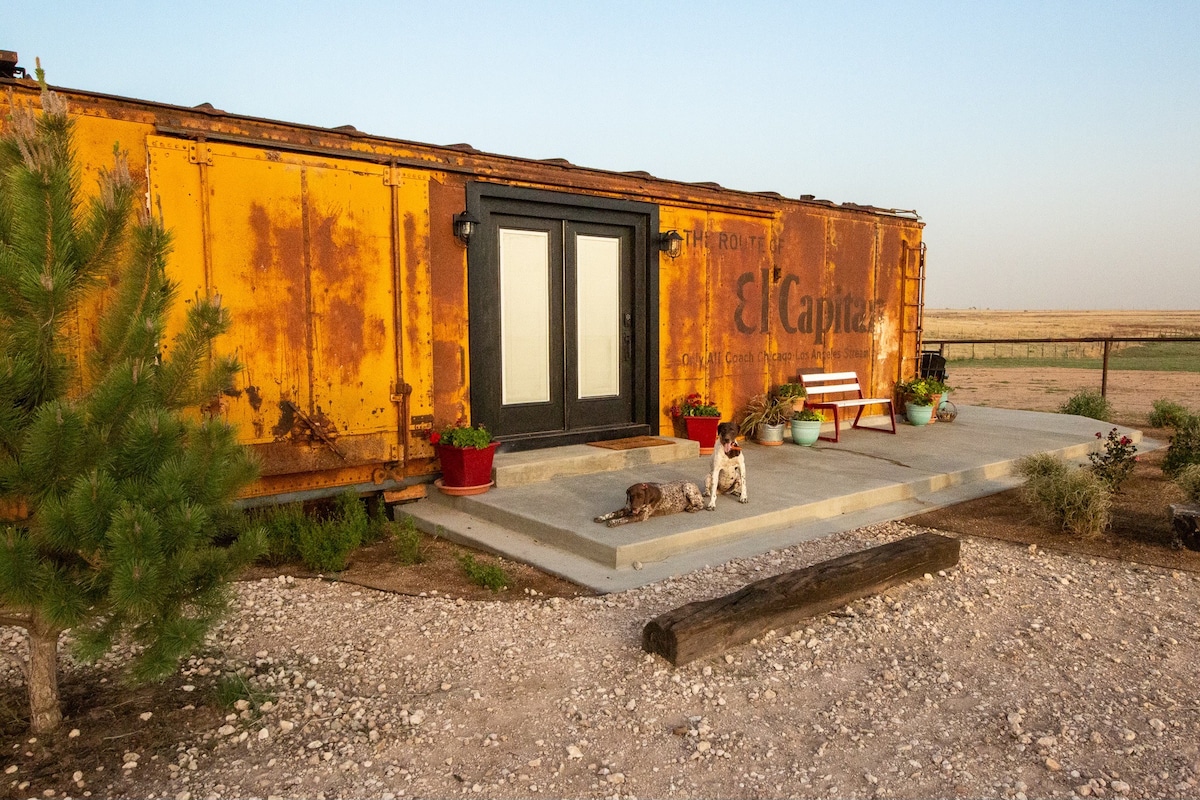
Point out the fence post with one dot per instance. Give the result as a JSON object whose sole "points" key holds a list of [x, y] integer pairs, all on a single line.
{"points": [[1104, 370]]}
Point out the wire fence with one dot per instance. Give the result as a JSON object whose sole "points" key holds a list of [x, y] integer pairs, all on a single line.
{"points": [[1101, 347]]}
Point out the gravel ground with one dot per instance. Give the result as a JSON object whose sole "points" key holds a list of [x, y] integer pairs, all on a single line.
{"points": [[1016, 674]]}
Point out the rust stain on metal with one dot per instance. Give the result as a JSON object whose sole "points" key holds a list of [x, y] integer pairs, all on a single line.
{"points": [[348, 333], [413, 324], [287, 419], [254, 396], [277, 265]]}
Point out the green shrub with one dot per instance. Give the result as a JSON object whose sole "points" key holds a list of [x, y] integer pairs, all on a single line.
{"points": [[1074, 500], [1088, 404], [350, 512], [326, 545], [406, 542], [1185, 446], [380, 526], [323, 544], [282, 525], [1188, 479], [489, 576], [1168, 414], [1041, 465]]}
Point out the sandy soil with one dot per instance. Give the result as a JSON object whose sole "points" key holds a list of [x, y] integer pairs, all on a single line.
{"points": [[1132, 393]]}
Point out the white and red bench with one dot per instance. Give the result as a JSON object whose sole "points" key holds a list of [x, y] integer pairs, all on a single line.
{"points": [[833, 391]]}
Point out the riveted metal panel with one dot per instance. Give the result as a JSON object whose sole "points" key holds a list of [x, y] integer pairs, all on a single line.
{"points": [[897, 348], [416, 306], [299, 249], [739, 316], [799, 270], [683, 306], [451, 368], [843, 315]]}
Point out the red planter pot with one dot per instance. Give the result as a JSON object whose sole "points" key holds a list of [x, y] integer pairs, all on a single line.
{"points": [[466, 467], [704, 431]]}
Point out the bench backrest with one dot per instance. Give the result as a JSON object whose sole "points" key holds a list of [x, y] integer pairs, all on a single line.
{"points": [[820, 385]]}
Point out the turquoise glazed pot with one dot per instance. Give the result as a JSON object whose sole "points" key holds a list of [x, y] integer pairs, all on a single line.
{"points": [[918, 415], [806, 432]]}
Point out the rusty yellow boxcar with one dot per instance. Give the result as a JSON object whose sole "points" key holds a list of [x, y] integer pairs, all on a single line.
{"points": [[364, 321]]}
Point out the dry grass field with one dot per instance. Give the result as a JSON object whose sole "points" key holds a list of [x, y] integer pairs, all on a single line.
{"points": [[988, 324], [1041, 377], [956, 323]]}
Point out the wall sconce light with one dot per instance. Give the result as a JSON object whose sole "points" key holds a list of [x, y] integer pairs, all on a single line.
{"points": [[464, 226], [670, 243]]}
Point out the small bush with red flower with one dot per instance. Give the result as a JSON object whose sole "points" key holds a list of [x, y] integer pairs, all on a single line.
{"points": [[1116, 462], [695, 406], [461, 436]]}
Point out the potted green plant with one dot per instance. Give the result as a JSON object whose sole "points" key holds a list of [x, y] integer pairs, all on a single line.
{"points": [[765, 418], [806, 427], [466, 455], [795, 392], [920, 396], [700, 418]]}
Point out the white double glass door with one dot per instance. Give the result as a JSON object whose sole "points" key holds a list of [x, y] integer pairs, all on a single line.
{"points": [[563, 324]]}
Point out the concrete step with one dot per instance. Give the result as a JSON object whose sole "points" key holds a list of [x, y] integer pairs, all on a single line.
{"points": [[535, 466]]}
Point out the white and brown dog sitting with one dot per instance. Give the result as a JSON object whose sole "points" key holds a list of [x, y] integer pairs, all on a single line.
{"points": [[728, 467], [645, 500]]}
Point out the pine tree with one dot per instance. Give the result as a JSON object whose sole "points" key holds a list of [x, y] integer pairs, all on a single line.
{"points": [[114, 481]]}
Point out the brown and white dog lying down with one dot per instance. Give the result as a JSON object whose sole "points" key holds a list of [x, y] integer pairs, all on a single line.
{"points": [[728, 467], [645, 500]]}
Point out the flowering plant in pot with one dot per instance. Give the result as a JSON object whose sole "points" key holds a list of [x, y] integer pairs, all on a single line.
{"points": [[466, 454], [700, 418]]}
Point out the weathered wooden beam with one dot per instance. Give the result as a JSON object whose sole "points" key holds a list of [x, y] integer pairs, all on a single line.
{"points": [[709, 627], [1185, 519]]}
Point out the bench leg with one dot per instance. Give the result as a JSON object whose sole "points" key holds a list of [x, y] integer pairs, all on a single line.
{"points": [[891, 416], [837, 426]]}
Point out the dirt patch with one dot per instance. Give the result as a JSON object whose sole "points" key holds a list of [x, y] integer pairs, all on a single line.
{"points": [[1141, 532], [104, 722], [441, 573], [1045, 389]]}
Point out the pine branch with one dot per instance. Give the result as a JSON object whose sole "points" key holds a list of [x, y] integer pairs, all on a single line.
{"points": [[101, 236], [133, 325], [183, 377]]}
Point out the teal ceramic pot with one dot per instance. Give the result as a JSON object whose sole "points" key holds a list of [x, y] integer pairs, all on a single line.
{"points": [[806, 432], [918, 415]]}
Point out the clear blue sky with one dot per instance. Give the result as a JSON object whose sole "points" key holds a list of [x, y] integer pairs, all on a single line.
{"points": [[1053, 149]]}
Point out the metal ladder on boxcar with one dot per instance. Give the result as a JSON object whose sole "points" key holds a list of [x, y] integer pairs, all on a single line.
{"points": [[912, 314]]}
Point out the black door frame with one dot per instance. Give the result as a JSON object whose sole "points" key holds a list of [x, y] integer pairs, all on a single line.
{"points": [[484, 199]]}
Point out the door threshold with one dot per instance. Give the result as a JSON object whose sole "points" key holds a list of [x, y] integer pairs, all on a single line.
{"points": [[538, 441]]}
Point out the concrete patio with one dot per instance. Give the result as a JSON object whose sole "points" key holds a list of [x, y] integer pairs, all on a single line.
{"points": [[541, 510]]}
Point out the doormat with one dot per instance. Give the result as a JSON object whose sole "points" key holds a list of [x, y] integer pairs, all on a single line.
{"points": [[631, 443]]}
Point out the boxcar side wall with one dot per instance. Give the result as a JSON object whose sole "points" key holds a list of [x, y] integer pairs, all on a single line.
{"points": [[349, 291]]}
